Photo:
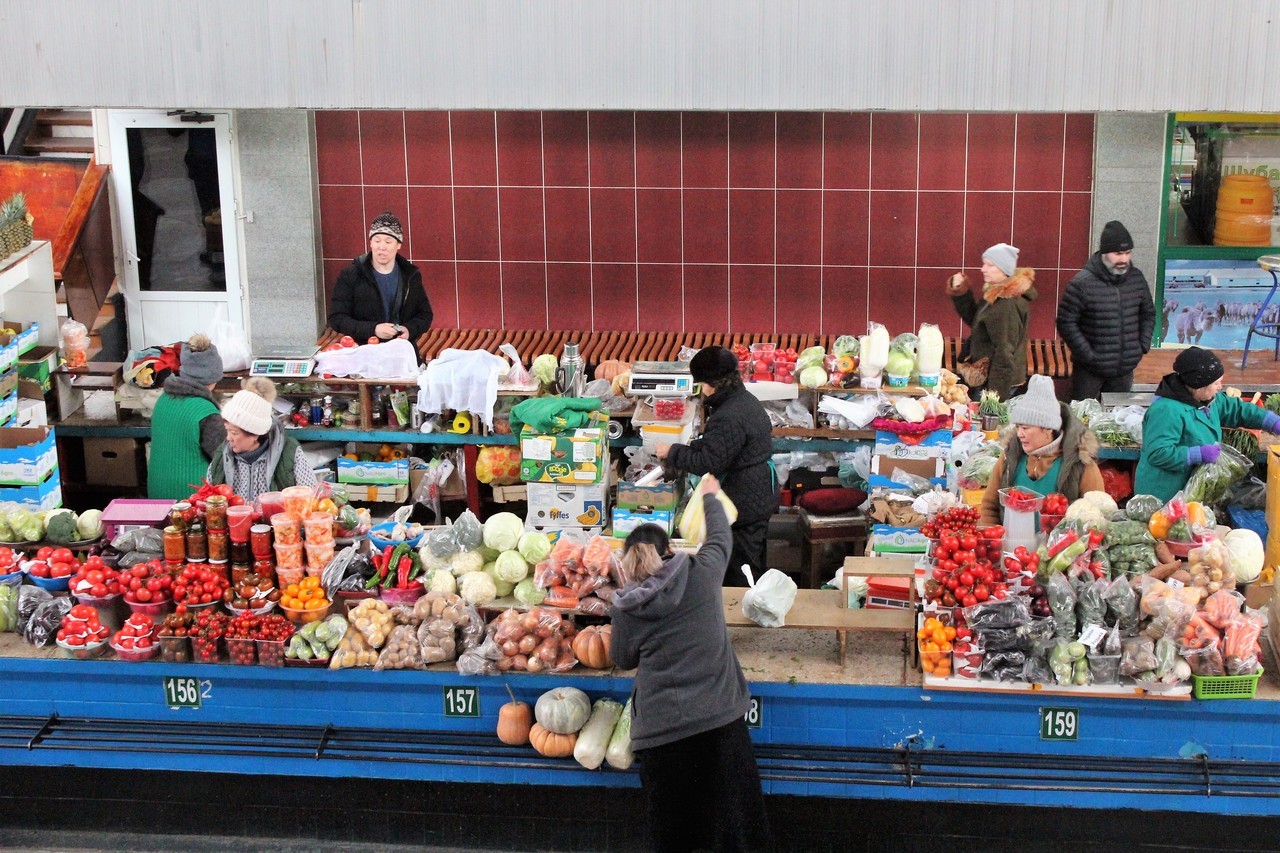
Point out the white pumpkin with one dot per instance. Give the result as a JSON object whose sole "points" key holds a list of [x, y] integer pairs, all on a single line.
{"points": [[564, 710]]}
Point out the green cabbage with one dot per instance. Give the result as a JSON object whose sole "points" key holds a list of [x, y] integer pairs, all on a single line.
{"points": [[527, 592], [899, 363], [811, 357], [813, 377], [534, 546], [545, 368], [90, 524], [845, 345], [502, 531], [503, 587], [511, 567], [906, 343]]}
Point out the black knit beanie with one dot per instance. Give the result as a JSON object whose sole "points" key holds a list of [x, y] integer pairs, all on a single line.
{"points": [[713, 364], [1115, 238], [1197, 367]]}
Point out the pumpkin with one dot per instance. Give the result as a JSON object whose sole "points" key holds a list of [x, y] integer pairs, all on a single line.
{"points": [[591, 646], [514, 721], [610, 368], [563, 711], [552, 744]]}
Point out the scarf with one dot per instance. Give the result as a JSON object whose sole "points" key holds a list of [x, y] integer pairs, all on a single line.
{"points": [[249, 474]]}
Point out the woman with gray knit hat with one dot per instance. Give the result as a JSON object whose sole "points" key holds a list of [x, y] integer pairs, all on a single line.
{"points": [[186, 429], [1049, 451], [1183, 426], [257, 456], [380, 296], [997, 322]]}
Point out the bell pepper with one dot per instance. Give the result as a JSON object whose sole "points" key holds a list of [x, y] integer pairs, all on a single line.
{"points": [[1068, 538], [1066, 556]]}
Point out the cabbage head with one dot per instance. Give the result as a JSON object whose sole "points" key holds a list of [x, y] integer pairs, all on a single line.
{"points": [[503, 587], [845, 345], [545, 368], [813, 377], [502, 531], [534, 546], [511, 567], [527, 592]]}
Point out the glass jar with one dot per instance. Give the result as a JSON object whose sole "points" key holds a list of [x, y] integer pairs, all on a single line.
{"points": [[197, 543], [264, 568], [219, 546], [260, 540], [215, 513], [241, 553], [178, 514], [175, 545]]}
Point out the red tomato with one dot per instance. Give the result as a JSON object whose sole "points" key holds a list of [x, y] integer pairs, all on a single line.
{"points": [[949, 543], [44, 553]]}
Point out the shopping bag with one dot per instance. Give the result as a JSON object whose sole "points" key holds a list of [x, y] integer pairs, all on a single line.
{"points": [[693, 522], [767, 601], [230, 341]]}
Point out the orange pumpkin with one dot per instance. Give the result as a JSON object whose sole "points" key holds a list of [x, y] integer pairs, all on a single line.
{"points": [[591, 646], [550, 744], [514, 721], [611, 368]]}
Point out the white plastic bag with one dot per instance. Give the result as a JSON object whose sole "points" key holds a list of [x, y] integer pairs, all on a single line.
{"points": [[767, 601], [693, 522], [230, 341], [394, 359]]}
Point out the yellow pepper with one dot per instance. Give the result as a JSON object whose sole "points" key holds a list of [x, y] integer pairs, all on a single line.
{"points": [[1159, 524]]}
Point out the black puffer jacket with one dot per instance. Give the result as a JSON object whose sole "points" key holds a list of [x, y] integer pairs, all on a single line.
{"points": [[735, 446], [1106, 319], [357, 308]]}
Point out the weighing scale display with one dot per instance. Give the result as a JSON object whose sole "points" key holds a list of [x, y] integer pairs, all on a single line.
{"points": [[292, 364]]}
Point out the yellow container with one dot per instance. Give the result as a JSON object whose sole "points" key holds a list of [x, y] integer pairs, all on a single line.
{"points": [[1245, 194], [1242, 229], [972, 497]]}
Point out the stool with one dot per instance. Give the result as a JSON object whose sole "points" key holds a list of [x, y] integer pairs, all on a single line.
{"points": [[818, 530]]}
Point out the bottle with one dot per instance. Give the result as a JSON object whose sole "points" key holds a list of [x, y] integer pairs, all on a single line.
{"points": [[197, 543], [376, 418], [317, 412], [572, 375], [327, 416]]}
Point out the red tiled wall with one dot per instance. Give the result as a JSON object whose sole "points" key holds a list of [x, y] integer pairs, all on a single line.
{"points": [[760, 222]]}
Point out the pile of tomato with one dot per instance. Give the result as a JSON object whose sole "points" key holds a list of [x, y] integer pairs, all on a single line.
{"points": [[82, 627], [959, 519], [198, 584], [96, 579], [147, 583], [52, 563]]}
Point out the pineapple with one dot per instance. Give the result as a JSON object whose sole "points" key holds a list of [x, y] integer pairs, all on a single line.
{"points": [[22, 226], [8, 217]]}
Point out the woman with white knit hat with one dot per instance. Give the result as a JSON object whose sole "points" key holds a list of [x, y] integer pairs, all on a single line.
{"points": [[1049, 451], [257, 456]]}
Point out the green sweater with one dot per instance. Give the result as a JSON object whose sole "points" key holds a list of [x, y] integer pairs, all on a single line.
{"points": [[1172, 426], [177, 464]]}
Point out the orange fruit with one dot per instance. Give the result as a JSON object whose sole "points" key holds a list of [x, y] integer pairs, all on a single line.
{"points": [[317, 604]]}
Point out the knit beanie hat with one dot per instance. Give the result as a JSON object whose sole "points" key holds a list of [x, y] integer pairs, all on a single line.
{"points": [[1004, 256], [711, 364], [1197, 367], [250, 408], [199, 360], [386, 223], [1115, 238], [1039, 406]]}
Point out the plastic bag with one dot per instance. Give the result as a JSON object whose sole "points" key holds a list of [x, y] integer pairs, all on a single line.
{"points": [[481, 659], [516, 376], [393, 359], [438, 640], [42, 628], [149, 539], [1086, 409], [353, 651], [1251, 494], [1122, 607], [402, 651], [73, 340], [232, 345], [1205, 660], [767, 601], [1069, 663], [998, 613], [10, 590], [1211, 483], [693, 525], [1003, 666], [1091, 604], [1062, 602], [1241, 653], [1223, 607], [29, 600], [1137, 654], [975, 473]]}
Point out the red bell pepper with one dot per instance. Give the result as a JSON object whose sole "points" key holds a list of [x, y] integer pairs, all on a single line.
{"points": [[1069, 537]]}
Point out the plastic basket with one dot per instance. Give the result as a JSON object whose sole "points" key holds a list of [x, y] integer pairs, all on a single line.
{"points": [[1226, 686]]}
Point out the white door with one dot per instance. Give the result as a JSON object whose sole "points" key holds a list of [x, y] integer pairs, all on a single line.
{"points": [[175, 192]]}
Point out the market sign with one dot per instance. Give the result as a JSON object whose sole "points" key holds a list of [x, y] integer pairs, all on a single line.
{"points": [[182, 691], [755, 713], [461, 702], [1059, 723]]}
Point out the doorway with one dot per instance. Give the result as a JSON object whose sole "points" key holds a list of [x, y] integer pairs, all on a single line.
{"points": [[175, 190]]}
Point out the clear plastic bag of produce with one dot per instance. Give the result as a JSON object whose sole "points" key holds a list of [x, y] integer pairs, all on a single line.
{"points": [[1105, 669], [1091, 603], [443, 541], [1142, 507], [402, 651], [1170, 618], [1241, 653], [1211, 483], [1086, 410], [10, 590], [1128, 532], [481, 660], [1137, 654], [42, 628], [1122, 607], [1210, 568], [29, 600], [975, 473], [593, 606], [1062, 603], [372, 619], [468, 531], [353, 651], [1069, 663], [1003, 666], [1036, 669], [998, 613], [344, 563], [1251, 494], [1223, 607], [1205, 660], [438, 639], [149, 539], [1111, 432]]}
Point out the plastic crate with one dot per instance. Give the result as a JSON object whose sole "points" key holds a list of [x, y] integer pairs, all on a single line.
{"points": [[1226, 686], [1249, 519]]}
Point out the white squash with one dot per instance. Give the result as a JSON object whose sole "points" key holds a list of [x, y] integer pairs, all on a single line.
{"points": [[593, 739], [563, 711], [619, 754]]}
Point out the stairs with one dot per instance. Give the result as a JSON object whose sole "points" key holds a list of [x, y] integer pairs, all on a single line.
{"points": [[60, 133]]}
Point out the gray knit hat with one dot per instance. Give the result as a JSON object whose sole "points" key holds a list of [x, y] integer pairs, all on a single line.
{"points": [[199, 360], [1004, 256], [387, 223], [1039, 406]]}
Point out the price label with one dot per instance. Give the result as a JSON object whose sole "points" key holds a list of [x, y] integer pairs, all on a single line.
{"points": [[461, 702], [1092, 635], [184, 691], [1174, 583], [1059, 723], [755, 713]]}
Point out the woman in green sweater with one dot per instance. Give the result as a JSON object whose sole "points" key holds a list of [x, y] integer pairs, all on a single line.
{"points": [[186, 428], [1183, 427]]}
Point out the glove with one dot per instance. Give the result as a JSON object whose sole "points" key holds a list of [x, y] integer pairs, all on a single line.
{"points": [[1203, 454], [1271, 423], [957, 284]]}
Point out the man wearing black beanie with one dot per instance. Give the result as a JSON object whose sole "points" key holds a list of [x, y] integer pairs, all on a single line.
{"points": [[1107, 317]]}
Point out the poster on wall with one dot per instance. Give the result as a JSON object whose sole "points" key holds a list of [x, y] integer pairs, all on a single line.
{"points": [[1213, 303]]}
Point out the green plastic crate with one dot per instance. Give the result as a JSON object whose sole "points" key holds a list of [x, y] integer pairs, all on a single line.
{"points": [[1226, 686]]}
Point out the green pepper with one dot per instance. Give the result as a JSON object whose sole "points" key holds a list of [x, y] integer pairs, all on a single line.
{"points": [[1067, 556]]}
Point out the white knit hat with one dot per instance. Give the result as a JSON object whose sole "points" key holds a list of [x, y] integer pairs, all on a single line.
{"points": [[1004, 256], [250, 408], [1039, 406]]}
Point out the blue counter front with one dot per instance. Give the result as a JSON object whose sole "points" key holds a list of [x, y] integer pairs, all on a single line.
{"points": [[902, 743]]}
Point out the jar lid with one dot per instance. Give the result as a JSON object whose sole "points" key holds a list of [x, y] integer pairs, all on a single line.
{"points": [[260, 528]]}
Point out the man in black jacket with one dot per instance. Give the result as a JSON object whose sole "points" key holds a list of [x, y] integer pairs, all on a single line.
{"points": [[1107, 317], [736, 446], [380, 295]]}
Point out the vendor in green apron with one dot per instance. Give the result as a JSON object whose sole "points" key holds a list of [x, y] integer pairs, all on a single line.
{"points": [[1183, 426], [1051, 451]]}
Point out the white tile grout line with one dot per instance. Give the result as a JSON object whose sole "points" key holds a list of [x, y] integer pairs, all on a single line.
{"points": [[1062, 204], [591, 250], [408, 213], [684, 321], [453, 215], [728, 223], [364, 213], [497, 192], [915, 245], [822, 222], [546, 265], [871, 122], [635, 212], [1013, 200], [775, 223]]}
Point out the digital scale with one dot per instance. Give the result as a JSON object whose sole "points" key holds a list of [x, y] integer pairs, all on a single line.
{"points": [[285, 362], [661, 379]]}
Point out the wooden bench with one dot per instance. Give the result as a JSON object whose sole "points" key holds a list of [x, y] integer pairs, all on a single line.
{"points": [[823, 609]]}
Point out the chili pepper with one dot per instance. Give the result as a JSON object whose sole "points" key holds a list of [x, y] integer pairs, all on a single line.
{"points": [[402, 571], [1068, 538], [372, 583], [415, 568], [386, 561]]}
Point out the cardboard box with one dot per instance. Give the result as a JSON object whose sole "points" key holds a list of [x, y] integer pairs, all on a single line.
{"points": [[557, 505], [392, 473], [8, 408], [8, 352], [510, 494], [45, 495], [897, 540], [27, 456], [112, 462], [934, 444], [554, 533], [657, 496], [1257, 594], [573, 457], [31, 413], [627, 520], [28, 334], [933, 469], [379, 494], [894, 512], [38, 366], [8, 382]]}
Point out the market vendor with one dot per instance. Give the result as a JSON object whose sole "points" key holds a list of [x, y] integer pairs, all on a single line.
{"points": [[380, 294], [1183, 427], [1051, 451], [997, 323], [736, 446], [186, 428], [690, 698], [257, 456]]}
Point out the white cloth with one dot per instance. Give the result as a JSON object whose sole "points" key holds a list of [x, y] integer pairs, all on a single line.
{"points": [[395, 359], [461, 381]]}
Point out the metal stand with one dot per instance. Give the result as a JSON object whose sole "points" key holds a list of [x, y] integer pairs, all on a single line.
{"points": [[1270, 263]]}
